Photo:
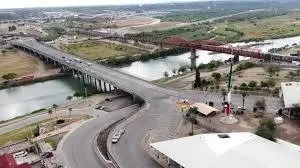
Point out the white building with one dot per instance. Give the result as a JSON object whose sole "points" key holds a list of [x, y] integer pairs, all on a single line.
{"points": [[230, 150], [290, 94]]}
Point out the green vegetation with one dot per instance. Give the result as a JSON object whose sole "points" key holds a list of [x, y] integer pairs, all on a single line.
{"points": [[255, 26], [53, 33], [244, 66], [20, 134], [267, 129], [9, 76], [12, 28], [116, 62], [211, 65], [101, 50], [19, 117], [259, 26]]}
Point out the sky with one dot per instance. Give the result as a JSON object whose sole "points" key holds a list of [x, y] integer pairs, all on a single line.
{"points": [[55, 3]]}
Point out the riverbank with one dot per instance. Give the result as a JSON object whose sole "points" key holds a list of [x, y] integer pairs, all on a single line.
{"points": [[123, 61], [10, 84]]}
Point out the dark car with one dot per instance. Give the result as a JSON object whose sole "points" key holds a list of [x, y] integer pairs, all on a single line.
{"points": [[108, 99], [46, 155]]}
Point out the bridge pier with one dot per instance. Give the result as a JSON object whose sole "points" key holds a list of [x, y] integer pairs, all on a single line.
{"points": [[135, 42], [193, 58], [236, 58], [161, 46]]}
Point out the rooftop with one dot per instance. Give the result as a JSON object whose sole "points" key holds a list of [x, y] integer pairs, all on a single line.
{"points": [[234, 150], [291, 94], [204, 108]]}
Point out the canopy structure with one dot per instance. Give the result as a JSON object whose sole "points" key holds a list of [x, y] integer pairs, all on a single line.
{"points": [[204, 108]]}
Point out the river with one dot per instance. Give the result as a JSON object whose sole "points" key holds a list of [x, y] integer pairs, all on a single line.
{"points": [[22, 100], [154, 69]]}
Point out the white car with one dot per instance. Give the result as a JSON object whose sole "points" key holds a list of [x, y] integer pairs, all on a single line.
{"points": [[117, 136]]}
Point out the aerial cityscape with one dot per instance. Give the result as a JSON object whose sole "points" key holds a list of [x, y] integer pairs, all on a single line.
{"points": [[150, 84]]}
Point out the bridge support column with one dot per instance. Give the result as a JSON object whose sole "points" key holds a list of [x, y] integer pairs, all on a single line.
{"points": [[193, 58], [161, 46], [236, 58], [100, 85], [115, 90], [105, 90]]}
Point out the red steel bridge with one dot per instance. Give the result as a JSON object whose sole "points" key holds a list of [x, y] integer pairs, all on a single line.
{"points": [[208, 45]]}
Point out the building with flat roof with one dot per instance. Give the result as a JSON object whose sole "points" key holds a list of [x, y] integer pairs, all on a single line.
{"points": [[229, 150], [290, 94]]}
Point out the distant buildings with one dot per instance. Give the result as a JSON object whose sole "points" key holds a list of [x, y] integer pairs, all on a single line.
{"points": [[290, 94]]}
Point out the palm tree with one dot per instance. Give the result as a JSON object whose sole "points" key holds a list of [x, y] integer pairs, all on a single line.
{"points": [[192, 115], [54, 106], [70, 113], [244, 94], [50, 111], [224, 93]]}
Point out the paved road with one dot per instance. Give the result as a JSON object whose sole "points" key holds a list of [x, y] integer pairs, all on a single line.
{"points": [[78, 147], [162, 114]]}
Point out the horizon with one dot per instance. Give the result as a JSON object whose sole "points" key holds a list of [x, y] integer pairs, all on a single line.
{"points": [[14, 4]]}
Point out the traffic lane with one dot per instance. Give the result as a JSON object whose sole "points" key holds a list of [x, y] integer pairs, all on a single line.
{"points": [[129, 152], [78, 147]]}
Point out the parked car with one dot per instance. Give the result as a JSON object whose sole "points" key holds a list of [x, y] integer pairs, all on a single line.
{"points": [[46, 155], [108, 99]]}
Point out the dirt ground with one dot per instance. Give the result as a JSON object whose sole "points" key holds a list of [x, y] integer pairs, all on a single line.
{"points": [[20, 63], [290, 131], [136, 21], [257, 74]]}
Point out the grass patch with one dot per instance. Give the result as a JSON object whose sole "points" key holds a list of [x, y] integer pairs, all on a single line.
{"points": [[42, 110], [19, 134], [101, 50], [54, 140], [259, 29]]}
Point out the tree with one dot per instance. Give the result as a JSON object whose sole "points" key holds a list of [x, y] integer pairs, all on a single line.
{"points": [[69, 98], [292, 75], [270, 83], [224, 93], [3, 52], [191, 114], [267, 129], [217, 76], [166, 74], [197, 79], [235, 88], [54, 106], [70, 112], [272, 70], [174, 71], [9, 76], [252, 84], [260, 104], [12, 28], [244, 94], [182, 69], [50, 111]]}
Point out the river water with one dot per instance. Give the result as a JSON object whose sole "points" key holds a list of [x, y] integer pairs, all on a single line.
{"points": [[154, 69], [21, 100]]}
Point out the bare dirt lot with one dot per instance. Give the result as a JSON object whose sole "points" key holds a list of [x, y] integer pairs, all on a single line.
{"points": [[20, 63], [258, 74]]}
